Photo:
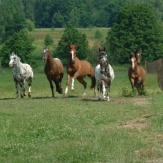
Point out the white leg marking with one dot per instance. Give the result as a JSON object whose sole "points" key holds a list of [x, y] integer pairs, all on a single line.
{"points": [[66, 90], [72, 84]]}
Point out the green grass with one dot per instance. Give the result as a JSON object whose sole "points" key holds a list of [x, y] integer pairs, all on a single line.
{"points": [[74, 129]]}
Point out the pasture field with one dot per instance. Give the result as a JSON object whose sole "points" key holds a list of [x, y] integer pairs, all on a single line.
{"points": [[80, 130], [56, 34]]}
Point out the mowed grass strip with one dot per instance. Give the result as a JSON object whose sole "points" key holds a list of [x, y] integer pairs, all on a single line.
{"points": [[75, 129]]}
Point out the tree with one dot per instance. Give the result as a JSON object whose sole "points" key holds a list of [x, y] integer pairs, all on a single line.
{"points": [[98, 34], [136, 27], [48, 40], [21, 44], [12, 18], [71, 36]]}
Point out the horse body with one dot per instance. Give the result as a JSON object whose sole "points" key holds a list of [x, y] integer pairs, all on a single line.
{"points": [[22, 72], [136, 73], [78, 69], [54, 70], [104, 75]]}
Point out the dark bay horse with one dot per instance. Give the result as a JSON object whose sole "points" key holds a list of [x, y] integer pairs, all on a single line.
{"points": [[54, 70], [136, 73], [78, 69]]}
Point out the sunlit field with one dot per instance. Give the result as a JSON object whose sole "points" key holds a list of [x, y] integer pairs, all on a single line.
{"points": [[76, 129]]}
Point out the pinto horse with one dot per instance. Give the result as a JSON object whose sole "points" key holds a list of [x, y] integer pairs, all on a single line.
{"points": [[53, 69], [22, 73], [78, 69], [104, 75], [136, 73]]}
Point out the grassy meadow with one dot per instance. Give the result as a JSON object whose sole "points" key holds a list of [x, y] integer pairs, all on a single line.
{"points": [[77, 129]]}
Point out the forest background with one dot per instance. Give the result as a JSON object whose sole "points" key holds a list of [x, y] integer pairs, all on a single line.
{"points": [[131, 25]]}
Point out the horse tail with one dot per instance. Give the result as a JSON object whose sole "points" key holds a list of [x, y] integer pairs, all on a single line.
{"points": [[93, 83]]}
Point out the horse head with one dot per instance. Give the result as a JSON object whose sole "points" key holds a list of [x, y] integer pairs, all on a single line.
{"points": [[72, 49], [103, 61], [45, 54], [138, 56], [133, 60], [13, 59], [102, 53]]}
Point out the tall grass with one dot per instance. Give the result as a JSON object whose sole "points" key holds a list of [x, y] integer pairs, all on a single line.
{"points": [[75, 129]]}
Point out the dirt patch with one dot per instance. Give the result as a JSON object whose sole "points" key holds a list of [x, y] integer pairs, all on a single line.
{"points": [[134, 100], [138, 123]]}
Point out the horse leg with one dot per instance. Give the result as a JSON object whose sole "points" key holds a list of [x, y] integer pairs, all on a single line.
{"points": [[84, 84], [16, 86], [29, 87], [132, 83], [107, 92], [58, 88], [72, 84], [103, 90], [51, 86], [73, 80], [22, 86], [67, 84], [93, 83], [98, 89]]}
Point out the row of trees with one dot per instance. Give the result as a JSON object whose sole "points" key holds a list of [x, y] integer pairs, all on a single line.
{"points": [[136, 27], [80, 13]]}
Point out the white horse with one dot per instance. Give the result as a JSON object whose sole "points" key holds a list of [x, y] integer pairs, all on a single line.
{"points": [[21, 72], [104, 75]]}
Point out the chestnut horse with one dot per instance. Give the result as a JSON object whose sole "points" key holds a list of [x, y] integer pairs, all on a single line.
{"points": [[78, 69], [136, 73], [54, 70]]}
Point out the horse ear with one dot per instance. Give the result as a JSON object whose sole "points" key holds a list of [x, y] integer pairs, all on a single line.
{"points": [[99, 49], [104, 49], [76, 46]]}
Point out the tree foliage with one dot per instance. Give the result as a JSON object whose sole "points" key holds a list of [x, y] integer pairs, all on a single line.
{"points": [[19, 43], [81, 13], [48, 40], [71, 36], [12, 18], [136, 27]]}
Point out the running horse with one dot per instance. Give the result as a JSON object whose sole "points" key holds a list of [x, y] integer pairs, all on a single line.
{"points": [[136, 73], [78, 69], [104, 75], [53, 69], [22, 73]]}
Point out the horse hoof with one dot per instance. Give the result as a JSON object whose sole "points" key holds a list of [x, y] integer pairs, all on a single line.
{"points": [[84, 95], [17, 97], [99, 99], [72, 90], [22, 96], [65, 94], [29, 94]]}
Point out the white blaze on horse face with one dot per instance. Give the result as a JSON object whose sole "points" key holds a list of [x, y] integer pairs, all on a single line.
{"points": [[72, 53], [12, 59], [132, 63]]}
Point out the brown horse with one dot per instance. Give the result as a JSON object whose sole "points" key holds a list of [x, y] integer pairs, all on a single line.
{"points": [[136, 73], [54, 70], [78, 69]]}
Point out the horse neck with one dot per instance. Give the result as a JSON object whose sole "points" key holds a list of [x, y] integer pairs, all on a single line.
{"points": [[75, 58], [136, 66], [50, 59], [18, 66]]}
